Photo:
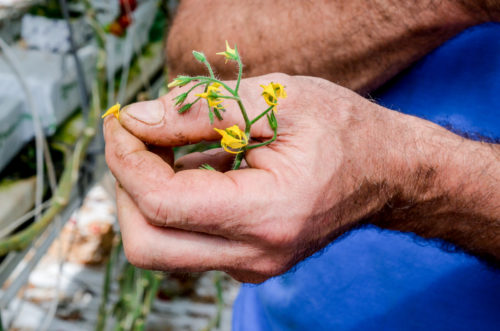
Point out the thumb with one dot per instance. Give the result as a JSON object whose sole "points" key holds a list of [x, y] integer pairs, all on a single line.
{"points": [[158, 122]]}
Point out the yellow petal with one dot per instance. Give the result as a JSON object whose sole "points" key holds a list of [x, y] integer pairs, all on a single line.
{"points": [[279, 90], [114, 110], [229, 53], [233, 139], [202, 95], [213, 102]]}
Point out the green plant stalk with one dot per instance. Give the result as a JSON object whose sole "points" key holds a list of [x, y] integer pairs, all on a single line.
{"points": [[155, 280], [60, 200], [194, 86], [103, 312], [237, 160], [123, 304], [265, 142], [205, 80], [261, 115], [135, 301], [219, 300], [219, 297], [209, 67], [240, 71], [228, 97]]}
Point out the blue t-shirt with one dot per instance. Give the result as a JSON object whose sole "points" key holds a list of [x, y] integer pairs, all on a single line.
{"points": [[374, 279]]}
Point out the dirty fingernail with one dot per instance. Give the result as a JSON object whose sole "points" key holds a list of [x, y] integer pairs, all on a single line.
{"points": [[148, 112]]}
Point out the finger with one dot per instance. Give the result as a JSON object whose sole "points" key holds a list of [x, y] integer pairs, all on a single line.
{"points": [[151, 247], [197, 200], [158, 122], [166, 153], [217, 158]]}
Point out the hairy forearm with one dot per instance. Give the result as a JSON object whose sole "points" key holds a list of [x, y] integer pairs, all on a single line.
{"points": [[446, 187], [357, 44]]}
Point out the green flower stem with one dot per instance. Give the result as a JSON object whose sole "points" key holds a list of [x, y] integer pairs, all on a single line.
{"points": [[195, 86], [205, 79], [240, 73], [248, 125], [209, 67], [261, 115], [237, 160], [229, 97], [264, 143]]}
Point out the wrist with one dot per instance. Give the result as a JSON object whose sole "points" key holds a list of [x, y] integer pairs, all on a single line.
{"points": [[443, 186]]}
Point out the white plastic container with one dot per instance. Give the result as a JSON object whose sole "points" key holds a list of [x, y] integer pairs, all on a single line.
{"points": [[52, 80], [51, 34], [14, 128]]}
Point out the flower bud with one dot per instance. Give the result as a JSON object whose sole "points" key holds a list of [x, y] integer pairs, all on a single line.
{"points": [[199, 56]]}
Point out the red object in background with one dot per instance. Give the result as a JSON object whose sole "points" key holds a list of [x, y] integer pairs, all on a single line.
{"points": [[116, 29], [124, 21], [119, 26], [127, 6]]}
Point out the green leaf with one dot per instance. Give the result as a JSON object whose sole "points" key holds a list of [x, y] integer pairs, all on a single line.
{"points": [[206, 166]]}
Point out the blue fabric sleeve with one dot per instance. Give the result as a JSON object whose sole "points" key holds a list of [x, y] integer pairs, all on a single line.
{"points": [[384, 280]]}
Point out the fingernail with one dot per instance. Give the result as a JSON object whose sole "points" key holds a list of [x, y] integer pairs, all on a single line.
{"points": [[147, 112]]}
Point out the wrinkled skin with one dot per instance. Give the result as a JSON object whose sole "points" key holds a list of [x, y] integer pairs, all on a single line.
{"points": [[338, 161]]}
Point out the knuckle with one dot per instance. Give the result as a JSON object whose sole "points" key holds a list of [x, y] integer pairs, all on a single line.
{"points": [[136, 255], [281, 236], [154, 205]]}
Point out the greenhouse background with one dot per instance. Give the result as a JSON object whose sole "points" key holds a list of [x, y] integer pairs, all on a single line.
{"points": [[62, 266]]}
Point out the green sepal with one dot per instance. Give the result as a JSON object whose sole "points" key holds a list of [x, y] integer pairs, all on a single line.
{"points": [[179, 81], [271, 118], [180, 98], [217, 113], [211, 116], [185, 108]]}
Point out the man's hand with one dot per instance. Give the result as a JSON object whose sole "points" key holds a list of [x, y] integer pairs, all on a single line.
{"points": [[339, 161]]}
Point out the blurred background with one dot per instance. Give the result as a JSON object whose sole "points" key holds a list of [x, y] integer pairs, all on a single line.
{"points": [[62, 267]]}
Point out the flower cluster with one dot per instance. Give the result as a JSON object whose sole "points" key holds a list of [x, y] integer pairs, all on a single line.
{"points": [[212, 95], [234, 140]]}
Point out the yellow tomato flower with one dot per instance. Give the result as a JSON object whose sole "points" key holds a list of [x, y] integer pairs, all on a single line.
{"points": [[229, 53], [269, 95], [212, 95], [279, 90], [233, 139], [272, 92], [115, 110]]}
